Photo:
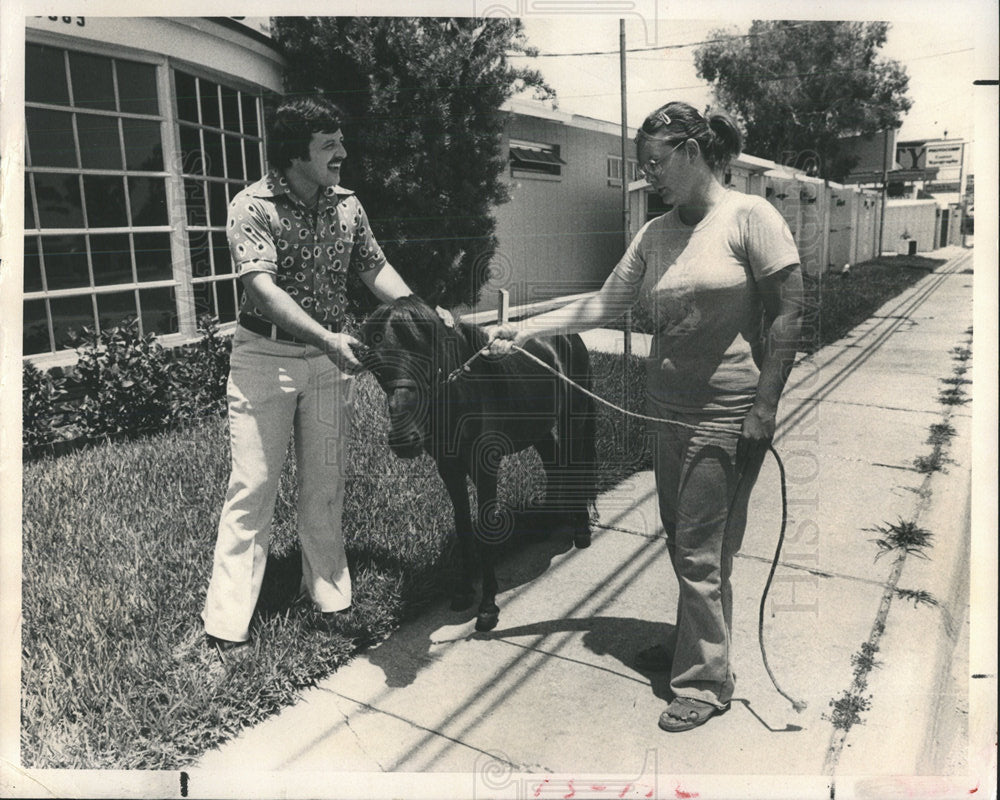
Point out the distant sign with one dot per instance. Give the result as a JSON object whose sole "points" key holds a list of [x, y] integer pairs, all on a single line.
{"points": [[939, 156], [944, 187], [944, 156]]}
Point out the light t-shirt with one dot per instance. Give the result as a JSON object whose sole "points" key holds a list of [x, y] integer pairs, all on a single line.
{"points": [[698, 286]]}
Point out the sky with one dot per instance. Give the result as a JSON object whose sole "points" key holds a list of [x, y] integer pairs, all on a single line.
{"points": [[939, 59]]}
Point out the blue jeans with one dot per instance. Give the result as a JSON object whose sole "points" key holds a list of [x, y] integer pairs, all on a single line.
{"points": [[275, 388], [704, 522]]}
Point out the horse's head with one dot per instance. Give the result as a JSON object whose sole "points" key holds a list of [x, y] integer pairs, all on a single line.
{"points": [[407, 352]]}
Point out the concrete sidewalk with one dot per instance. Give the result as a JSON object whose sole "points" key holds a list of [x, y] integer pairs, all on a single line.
{"points": [[549, 704]]}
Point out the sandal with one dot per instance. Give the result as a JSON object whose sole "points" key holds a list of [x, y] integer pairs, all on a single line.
{"points": [[654, 659], [685, 713]]}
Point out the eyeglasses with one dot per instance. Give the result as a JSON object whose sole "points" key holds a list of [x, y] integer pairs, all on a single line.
{"points": [[652, 168]]}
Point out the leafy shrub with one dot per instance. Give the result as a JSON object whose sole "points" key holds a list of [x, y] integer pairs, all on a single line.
{"points": [[201, 372], [126, 381], [42, 411]]}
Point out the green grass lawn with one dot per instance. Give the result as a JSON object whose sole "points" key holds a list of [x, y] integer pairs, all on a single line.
{"points": [[845, 302], [117, 544]]}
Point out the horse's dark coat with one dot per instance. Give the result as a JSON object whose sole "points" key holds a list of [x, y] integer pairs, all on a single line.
{"points": [[498, 407]]}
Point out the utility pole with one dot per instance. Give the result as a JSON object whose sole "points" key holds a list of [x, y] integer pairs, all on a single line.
{"points": [[885, 181], [625, 202], [961, 196]]}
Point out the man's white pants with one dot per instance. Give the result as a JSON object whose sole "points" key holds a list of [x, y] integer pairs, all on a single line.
{"points": [[275, 387]]}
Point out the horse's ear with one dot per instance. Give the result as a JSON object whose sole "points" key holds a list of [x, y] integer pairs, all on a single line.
{"points": [[446, 316]]}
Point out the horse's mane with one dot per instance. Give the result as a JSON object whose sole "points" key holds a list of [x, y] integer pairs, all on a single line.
{"points": [[413, 323]]}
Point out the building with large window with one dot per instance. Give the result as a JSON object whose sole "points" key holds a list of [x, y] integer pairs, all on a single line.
{"points": [[138, 132]]}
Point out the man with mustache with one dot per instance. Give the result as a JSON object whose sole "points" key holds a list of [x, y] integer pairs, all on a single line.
{"points": [[293, 236]]}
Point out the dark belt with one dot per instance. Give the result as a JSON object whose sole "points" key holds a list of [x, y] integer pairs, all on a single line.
{"points": [[271, 331]]}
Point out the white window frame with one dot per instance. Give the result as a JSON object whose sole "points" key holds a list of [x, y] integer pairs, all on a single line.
{"points": [[614, 170], [542, 147], [182, 280]]}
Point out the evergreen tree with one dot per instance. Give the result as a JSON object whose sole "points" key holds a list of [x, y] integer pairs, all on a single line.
{"points": [[423, 128], [798, 87]]}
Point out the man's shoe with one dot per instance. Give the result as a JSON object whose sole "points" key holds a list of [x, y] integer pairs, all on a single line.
{"points": [[226, 647]]}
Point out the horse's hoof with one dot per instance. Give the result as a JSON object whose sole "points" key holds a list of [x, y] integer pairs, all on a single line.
{"points": [[461, 602], [487, 621], [581, 539]]}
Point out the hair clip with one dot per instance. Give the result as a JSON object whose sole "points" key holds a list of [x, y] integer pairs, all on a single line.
{"points": [[661, 116]]}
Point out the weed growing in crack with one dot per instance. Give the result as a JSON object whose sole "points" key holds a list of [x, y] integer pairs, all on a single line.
{"points": [[941, 433], [864, 662], [953, 397], [918, 596], [847, 710], [902, 536], [935, 462]]}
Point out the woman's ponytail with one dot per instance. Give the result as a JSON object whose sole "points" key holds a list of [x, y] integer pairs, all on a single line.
{"points": [[727, 141]]}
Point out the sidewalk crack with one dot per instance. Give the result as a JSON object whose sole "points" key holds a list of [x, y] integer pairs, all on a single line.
{"points": [[361, 744]]}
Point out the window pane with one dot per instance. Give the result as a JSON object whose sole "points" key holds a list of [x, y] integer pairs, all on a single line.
{"points": [[213, 154], [114, 308], [234, 157], [137, 87], [29, 209], [194, 197], [111, 258], [36, 328], [223, 258], [105, 201], [59, 203], [252, 150], [192, 161], [50, 138], [148, 197], [93, 86], [45, 75], [143, 148], [70, 313], [152, 257], [201, 266], [159, 310], [204, 300], [187, 96], [217, 204], [224, 291], [65, 262], [100, 145], [209, 103], [248, 104], [32, 265], [230, 109]]}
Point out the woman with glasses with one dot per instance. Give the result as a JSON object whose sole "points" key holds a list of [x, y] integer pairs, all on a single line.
{"points": [[719, 276]]}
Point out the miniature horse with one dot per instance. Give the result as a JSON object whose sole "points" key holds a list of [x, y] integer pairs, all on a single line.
{"points": [[469, 420]]}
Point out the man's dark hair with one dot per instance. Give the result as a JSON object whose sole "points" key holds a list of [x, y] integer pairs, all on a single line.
{"points": [[293, 124]]}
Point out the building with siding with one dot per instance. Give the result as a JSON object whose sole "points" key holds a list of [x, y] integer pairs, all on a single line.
{"points": [[561, 233]]}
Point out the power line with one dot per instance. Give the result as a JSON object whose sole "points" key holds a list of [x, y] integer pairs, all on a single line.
{"points": [[707, 85], [659, 47]]}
